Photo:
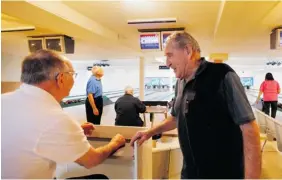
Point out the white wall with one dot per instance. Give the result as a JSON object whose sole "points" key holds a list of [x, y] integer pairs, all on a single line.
{"points": [[259, 75], [14, 49], [153, 71], [115, 77]]}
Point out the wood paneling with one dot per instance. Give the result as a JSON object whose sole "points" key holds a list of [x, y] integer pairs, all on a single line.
{"points": [[9, 86]]}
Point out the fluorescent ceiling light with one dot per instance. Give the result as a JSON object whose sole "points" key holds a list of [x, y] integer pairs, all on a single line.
{"points": [[27, 28], [148, 21]]}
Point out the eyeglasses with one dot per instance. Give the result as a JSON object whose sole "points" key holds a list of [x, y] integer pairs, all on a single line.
{"points": [[74, 74]]}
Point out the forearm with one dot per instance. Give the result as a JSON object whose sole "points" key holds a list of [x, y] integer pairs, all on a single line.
{"points": [[252, 150], [260, 93], [106, 150], [92, 101], [96, 156], [167, 125]]}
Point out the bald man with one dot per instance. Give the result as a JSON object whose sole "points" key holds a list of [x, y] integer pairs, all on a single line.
{"points": [[94, 92], [128, 108]]}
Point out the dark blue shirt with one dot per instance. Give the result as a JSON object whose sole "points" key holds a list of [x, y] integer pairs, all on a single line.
{"points": [[94, 86]]}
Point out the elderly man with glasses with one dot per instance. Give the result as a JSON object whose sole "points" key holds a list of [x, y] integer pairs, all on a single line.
{"points": [[37, 133]]}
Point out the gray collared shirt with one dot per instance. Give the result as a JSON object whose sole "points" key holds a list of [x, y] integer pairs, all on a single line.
{"points": [[237, 101]]}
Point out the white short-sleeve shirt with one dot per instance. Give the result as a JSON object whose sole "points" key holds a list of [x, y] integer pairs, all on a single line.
{"points": [[37, 134]]}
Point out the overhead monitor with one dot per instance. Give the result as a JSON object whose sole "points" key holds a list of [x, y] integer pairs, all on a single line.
{"points": [[150, 41], [63, 44], [165, 35], [35, 44], [276, 39]]}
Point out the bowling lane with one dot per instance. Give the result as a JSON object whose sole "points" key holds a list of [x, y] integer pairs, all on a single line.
{"points": [[252, 96], [78, 112]]}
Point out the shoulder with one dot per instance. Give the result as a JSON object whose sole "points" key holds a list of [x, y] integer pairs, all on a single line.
{"points": [[7, 96], [63, 119], [219, 66], [136, 99]]}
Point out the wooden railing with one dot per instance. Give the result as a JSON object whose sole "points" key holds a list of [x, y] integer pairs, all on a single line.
{"points": [[271, 127]]}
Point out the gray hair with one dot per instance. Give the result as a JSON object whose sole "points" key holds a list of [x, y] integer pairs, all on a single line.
{"points": [[41, 66], [128, 90], [182, 39], [96, 69]]}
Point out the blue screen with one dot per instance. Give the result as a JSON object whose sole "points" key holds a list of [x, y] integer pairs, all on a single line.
{"points": [[247, 81]]}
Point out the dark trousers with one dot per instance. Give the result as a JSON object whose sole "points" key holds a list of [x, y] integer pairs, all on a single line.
{"points": [[89, 111], [267, 105], [93, 176]]}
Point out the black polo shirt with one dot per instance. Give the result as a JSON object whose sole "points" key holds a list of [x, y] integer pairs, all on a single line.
{"points": [[238, 104], [209, 130]]}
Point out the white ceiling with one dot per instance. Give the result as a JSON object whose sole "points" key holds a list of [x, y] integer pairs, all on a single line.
{"points": [[100, 28]]}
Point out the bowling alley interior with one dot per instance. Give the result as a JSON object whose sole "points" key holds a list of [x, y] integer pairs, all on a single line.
{"points": [[127, 42]]}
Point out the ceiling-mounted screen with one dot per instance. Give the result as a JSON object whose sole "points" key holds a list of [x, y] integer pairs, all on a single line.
{"points": [[54, 43], [280, 37], [276, 39], [150, 41], [35, 44], [165, 35]]}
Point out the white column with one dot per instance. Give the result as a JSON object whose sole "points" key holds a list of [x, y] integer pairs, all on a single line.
{"points": [[141, 78]]}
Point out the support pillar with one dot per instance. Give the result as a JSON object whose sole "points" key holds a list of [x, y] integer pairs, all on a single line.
{"points": [[141, 78]]}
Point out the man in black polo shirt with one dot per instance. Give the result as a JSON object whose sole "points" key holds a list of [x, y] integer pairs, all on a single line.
{"points": [[128, 108], [217, 131]]}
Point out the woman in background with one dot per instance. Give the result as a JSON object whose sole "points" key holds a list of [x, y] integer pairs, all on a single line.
{"points": [[270, 90], [94, 92]]}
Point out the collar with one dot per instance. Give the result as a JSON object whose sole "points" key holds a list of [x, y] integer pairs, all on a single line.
{"points": [[201, 68], [37, 92], [97, 78], [128, 94]]}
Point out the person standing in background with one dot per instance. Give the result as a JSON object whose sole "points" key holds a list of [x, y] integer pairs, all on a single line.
{"points": [[94, 100], [270, 90]]}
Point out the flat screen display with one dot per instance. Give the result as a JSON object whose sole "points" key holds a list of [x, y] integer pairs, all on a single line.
{"points": [[35, 45], [164, 37], [150, 41], [54, 44], [280, 38], [247, 81]]}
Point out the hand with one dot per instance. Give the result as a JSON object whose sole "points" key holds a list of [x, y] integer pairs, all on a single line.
{"points": [[118, 140], [257, 101], [96, 111], [88, 128], [141, 136]]}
